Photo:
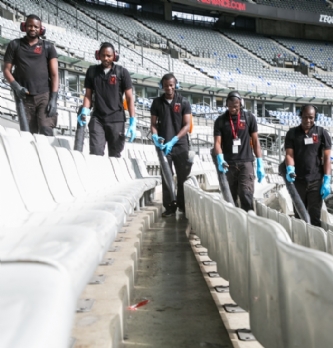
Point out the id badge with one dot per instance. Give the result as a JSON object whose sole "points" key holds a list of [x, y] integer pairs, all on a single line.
{"points": [[242, 124], [237, 142], [235, 149], [315, 138], [308, 141]]}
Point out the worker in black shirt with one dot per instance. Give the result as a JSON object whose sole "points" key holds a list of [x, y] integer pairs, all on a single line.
{"points": [[107, 82], [36, 70], [170, 122], [234, 131], [308, 152]]}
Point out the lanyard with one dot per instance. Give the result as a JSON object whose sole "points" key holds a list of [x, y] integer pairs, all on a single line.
{"points": [[233, 130]]}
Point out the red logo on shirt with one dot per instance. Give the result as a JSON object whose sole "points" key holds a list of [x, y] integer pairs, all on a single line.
{"points": [[38, 49], [113, 79], [241, 124], [176, 107]]}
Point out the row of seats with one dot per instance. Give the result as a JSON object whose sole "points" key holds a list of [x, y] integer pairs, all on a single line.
{"points": [[286, 288], [300, 232], [60, 211]]}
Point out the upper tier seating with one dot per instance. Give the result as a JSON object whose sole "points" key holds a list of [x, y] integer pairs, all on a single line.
{"points": [[261, 46], [317, 52], [230, 64]]}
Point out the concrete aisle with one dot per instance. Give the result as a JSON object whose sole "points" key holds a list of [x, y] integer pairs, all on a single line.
{"points": [[181, 312]]}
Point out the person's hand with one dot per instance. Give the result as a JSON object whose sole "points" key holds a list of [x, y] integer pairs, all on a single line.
{"points": [[222, 165], [260, 169], [169, 145], [20, 92], [326, 186], [81, 117], [131, 131], [158, 141], [52, 105], [290, 175]]}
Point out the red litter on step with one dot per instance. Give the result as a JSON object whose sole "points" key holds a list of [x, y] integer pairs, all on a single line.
{"points": [[137, 305]]}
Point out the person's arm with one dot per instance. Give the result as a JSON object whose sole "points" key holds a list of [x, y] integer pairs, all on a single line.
{"points": [[7, 72], [256, 144], [130, 102], [19, 91], [217, 145], [54, 76], [289, 160], [87, 100], [186, 126], [327, 162], [85, 110], [153, 124]]}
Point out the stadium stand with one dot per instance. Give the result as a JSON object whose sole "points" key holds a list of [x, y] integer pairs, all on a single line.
{"points": [[62, 211], [319, 53]]}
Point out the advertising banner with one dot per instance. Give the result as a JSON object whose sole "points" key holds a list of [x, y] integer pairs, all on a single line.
{"points": [[254, 10]]}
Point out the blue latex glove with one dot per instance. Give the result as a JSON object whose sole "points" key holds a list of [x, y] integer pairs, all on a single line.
{"points": [[220, 161], [290, 170], [81, 118], [131, 131], [260, 169], [326, 186], [158, 141], [169, 145]]}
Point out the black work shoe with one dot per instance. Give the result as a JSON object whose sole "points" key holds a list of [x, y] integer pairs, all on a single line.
{"points": [[168, 212]]}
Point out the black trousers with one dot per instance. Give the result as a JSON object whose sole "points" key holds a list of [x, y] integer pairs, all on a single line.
{"points": [[241, 182], [35, 109], [309, 193], [101, 133], [183, 169]]}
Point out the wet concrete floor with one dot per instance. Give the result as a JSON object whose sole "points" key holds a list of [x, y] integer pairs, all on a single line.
{"points": [[181, 312]]}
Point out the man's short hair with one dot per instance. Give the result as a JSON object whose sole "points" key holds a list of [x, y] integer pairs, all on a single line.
{"points": [[233, 99], [33, 16], [107, 45], [168, 77]]}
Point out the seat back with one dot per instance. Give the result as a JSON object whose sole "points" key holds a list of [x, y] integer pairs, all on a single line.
{"points": [[27, 135], [317, 238], [221, 236], [31, 181], [120, 169], [265, 318], [330, 242], [238, 256], [53, 173], [306, 301], [207, 230], [11, 204], [83, 171], [100, 171], [70, 171], [272, 214], [300, 236], [285, 221]]}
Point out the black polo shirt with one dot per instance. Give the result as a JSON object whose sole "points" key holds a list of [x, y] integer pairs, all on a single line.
{"points": [[31, 64], [108, 91], [308, 158], [222, 128], [170, 117]]}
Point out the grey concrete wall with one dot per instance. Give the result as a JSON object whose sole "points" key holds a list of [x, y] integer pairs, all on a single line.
{"points": [[294, 30]]}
